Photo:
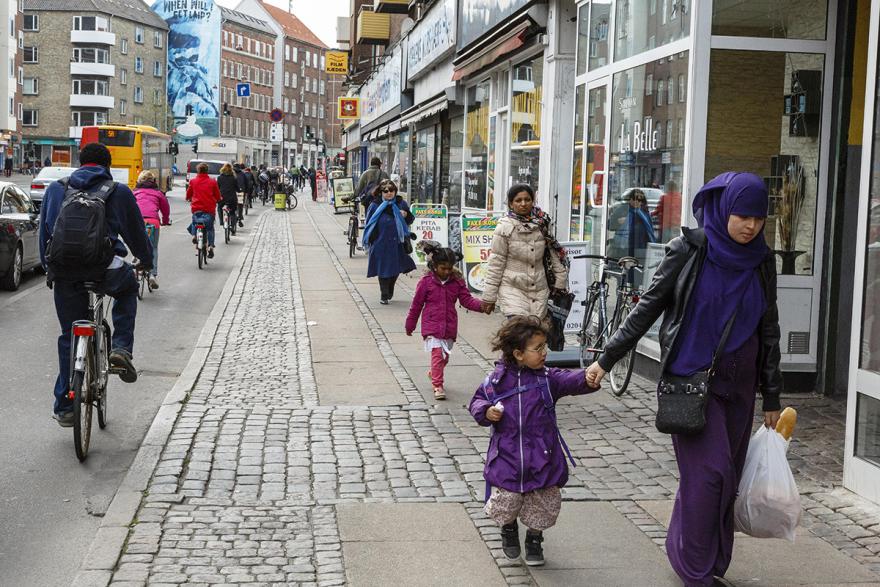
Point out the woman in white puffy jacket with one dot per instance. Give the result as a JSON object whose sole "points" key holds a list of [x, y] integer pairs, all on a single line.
{"points": [[516, 278]]}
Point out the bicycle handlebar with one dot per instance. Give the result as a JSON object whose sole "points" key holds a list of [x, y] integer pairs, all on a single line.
{"points": [[623, 262], [599, 257]]}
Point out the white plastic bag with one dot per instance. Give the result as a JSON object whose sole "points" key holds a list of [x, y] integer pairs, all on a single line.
{"points": [[768, 504]]}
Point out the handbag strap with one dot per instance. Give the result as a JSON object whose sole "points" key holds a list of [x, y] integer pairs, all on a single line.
{"points": [[721, 344]]}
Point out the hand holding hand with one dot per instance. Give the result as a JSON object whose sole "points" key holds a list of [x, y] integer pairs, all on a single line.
{"points": [[594, 374], [488, 307], [493, 414], [771, 418]]}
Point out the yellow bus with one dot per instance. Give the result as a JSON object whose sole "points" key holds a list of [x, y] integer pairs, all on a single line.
{"points": [[134, 148]]}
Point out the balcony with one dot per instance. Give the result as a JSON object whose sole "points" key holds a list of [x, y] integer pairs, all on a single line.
{"points": [[391, 6], [76, 132], [92, 101], [102, 69], [373, 28], [93, 37]]}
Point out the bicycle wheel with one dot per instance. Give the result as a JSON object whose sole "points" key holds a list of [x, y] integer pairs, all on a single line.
{"points": [[81, 386], [200, 254], [293, 202], [622, 371], [352, 235], [142, 283], [101, 390], [226, 231], [590, 333]]}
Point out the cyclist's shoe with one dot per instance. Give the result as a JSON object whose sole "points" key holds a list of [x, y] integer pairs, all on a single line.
{"points": [[510, 540], [154, 283], [240, 224], [120, 359], [64, 419], [211, 253], [534, 550]]}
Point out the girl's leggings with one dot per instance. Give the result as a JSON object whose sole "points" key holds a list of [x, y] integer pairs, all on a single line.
{"points": [[438, 364]]}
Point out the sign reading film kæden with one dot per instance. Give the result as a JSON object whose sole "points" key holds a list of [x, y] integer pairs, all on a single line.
{"points": [[336, 62]]}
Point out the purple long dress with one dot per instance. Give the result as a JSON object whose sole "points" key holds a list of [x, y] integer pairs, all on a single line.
{"points": [[699, 542]]}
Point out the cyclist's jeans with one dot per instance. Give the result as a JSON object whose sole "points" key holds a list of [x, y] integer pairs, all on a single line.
{"points": [[72, 303], [208, 221], [154, 240]]}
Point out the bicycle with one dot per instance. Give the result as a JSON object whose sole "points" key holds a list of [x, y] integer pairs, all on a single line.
{"points": [[292, 201], [354, 225], [202, 245], [228, 225], [597, 328], [143, 277], [91, 370]]}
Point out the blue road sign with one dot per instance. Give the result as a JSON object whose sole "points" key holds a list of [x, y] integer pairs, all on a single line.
{"points": [[243, 90]]}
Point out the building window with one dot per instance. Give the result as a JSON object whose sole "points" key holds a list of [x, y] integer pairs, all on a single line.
{"points": [[90, 87], [123, 76], [807, 19], [30, 117], [293, 80], [225, 68], [322, 87], [295, 54], [322, 63], [123, 105], [87, 118], [293, 106], [314, 60], [157, 39], [31, 55], [123, 46], [20, 76], [31, 22], [670, 91], [157, 68], [139, 35], [637, 33], [660, 91], [91, 23], [91, 55], [649, 84], [138, 95], [31, 86], [307, 56], [157, 96], [286, 52], [321, 111], [12, 107], [682, 88], [138, 65]]}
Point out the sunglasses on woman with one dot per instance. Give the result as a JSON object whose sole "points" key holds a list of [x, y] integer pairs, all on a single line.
{"points": [[389, 191]]}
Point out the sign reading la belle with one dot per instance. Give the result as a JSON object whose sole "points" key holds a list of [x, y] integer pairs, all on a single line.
{"points": [[642, 138]]}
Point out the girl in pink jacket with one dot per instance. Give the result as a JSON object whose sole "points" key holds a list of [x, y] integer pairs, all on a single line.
{"points": [[435, 298], [153, 204]]}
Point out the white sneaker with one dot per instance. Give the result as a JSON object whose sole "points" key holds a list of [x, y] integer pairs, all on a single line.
{"points": [[154, 283]]}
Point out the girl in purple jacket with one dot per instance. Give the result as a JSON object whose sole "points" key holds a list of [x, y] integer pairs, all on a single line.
{"points": [[525, 464], [435, 298]]}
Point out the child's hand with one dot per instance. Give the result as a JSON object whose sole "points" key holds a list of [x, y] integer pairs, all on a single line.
{"points": [[493, 414], [488, 307], [594, 375]]}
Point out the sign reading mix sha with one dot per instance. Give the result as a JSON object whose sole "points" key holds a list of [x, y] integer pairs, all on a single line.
{"points": [[476, 244], [431, 224]]}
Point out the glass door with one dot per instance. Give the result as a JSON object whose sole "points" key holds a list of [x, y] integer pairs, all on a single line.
{"points": [[590, 163], [862, 460]]}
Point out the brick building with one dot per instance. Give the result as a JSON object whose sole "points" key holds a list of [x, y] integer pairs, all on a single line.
{"points": [[11, 84], [85, 63], [247, 56]]}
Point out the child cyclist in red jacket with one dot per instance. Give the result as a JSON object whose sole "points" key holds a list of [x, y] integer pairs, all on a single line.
{"points": [[435, 299]]}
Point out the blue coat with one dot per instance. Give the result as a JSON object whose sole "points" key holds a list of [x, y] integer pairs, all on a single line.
{"points": [[387, 258]]}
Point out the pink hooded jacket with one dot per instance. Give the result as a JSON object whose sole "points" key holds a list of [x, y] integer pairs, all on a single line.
{"points": [[435, 301], [152, 202]]}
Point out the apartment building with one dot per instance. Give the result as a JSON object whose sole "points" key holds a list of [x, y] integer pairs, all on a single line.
{"points": [[88, 62], [11, 83]]}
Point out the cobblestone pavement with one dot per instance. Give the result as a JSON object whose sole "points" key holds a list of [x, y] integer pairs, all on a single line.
{"points": [[246, 487]]}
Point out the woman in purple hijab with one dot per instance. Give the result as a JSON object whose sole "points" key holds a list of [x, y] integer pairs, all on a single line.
{"points": [[708, 275]]}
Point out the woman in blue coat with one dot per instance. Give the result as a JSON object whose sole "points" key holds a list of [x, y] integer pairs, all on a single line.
{"points": [[387, 228]]}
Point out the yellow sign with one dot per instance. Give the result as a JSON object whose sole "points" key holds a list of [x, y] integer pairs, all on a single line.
{"points": [[336, 62], [347, 107]]}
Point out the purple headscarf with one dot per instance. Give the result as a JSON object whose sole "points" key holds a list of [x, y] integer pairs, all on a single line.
{"points": [[729, 278]]}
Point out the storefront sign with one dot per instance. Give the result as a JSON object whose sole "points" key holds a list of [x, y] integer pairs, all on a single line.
{"points": [[382, 92], [343, 192], [579, 279], [643, 137], [348, 108], [476, 245], [321, 184], [479, 16], [336, 62], [431, 224], [431, 38]]}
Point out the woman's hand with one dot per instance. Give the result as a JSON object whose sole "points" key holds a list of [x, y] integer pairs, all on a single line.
{"points": [[488, 307], [594, 374], [771, 418], [493, 414]]}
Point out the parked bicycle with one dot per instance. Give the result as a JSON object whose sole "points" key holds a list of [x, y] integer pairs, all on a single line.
{"points": [[91, 370], [202, 244], [292, 201], [600, 322], [354, 226]]}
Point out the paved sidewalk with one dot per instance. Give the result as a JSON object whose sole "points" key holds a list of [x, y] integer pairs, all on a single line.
{"points": [[303, 446]]}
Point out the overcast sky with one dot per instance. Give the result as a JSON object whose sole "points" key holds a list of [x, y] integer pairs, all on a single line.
{"points": [[318, 15]]}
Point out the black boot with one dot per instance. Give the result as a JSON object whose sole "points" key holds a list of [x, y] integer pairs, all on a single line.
{"points": [[510, 540], [534, 550]]}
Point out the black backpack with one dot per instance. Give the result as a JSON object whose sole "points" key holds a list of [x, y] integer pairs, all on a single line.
{"points": [[80, 248]]}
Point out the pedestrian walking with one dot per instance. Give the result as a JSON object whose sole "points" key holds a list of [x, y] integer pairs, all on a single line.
{"points": [[313, 183], [156, 211], [525, 464], [435, 298], [717, 282], [385, 235], [7, 166], [368, 181], [526, 258]]}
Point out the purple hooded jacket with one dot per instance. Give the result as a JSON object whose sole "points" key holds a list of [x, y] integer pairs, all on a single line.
{"points": [[435, 301], [525, 453]]}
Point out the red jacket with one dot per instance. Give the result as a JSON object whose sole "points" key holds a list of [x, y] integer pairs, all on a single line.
{"points": [[204, 194], [435, 301]]}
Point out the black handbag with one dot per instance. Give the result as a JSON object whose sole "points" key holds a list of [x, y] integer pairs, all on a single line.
{"points": [[681, 400]]}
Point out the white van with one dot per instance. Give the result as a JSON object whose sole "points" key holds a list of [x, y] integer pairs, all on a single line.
{"points": [[213, 168]]}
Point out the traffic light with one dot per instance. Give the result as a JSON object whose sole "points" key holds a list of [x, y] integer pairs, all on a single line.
{"points": [[196, 148]]}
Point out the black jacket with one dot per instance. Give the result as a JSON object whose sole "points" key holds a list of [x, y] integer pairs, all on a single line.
{"points": [[228, 185], [670, 292]]}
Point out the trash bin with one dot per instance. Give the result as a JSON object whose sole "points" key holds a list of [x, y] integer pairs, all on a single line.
{"points": [[281, 201]]}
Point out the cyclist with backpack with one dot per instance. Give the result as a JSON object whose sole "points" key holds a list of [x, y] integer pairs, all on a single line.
{"points": [[368, 182], [83, 220]]}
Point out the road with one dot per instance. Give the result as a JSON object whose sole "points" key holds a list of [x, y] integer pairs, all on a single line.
{"points": [[50, 504]]}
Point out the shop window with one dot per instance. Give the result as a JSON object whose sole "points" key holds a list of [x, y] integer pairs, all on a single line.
{"points": [[583, 38], [424, 163], [525, 134], [766, 121], [867, 442], [456, 137], [805, 19], [643, 205], [475, 147], [637, 30], [501, 89], [600, 17], [870, 348], [401, 164], [577, 161]]}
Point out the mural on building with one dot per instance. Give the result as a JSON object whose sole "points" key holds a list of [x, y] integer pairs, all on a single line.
{"points": [[193, 66]]}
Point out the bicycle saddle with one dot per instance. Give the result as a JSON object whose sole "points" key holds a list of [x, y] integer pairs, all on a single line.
{"points": [[628, 263]]}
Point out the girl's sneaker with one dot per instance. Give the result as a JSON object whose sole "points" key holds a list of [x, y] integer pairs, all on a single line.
{"points": [[534, 550], [439, 394], [510, 540]]}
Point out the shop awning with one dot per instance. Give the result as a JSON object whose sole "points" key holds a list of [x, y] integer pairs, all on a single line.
{"points": [[429, 108], [510, 42]]}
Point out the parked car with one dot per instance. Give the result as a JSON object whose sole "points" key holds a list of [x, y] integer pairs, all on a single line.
{"points": [[46, 176], [213, 168], [19, 234]]}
